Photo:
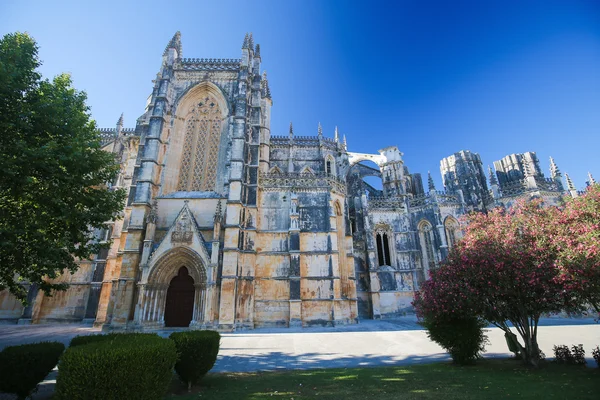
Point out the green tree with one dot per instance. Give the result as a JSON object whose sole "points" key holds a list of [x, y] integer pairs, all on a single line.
{"points": [[52, 173]]}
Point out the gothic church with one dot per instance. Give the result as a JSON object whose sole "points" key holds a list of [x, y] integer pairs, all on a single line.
{"points": [[227, 226]]}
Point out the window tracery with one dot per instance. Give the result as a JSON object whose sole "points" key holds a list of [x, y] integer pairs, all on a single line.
{"points": [[426, 236], [451, 230], [198, 169]]}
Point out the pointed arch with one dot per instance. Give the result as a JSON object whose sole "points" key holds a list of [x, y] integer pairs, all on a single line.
{"points": [[426, 239], [194, 159], [275, 170], [452, 230], [330, 165], [307, 170]]}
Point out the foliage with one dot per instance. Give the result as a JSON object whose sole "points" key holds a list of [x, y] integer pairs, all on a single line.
{"points": [[197, 354], [52, 186], [23, 367], [126, 367], [463, 338], [489, 379], [575, 356], [577, 242], [86, 339], [596, 355], [504, 271]]}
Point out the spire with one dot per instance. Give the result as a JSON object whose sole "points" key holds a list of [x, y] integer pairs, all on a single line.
{"points": [[320, 130], [291, 130], [264, 86], [336, 136], [246, 43], [345, 144], [257, 50], [120, 125], [570, 185], [250, 41], [554, 171], [175, 43], [492, 175], [591, 180], [430, 182]]}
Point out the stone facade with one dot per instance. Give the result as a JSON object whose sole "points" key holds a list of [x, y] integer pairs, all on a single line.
{"points": [[227, 226]]}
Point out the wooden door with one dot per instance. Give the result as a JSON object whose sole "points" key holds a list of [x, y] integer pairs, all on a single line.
{"points": [[179, 307]]}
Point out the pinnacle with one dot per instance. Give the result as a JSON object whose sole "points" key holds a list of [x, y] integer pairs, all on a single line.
{"points": [[336, 135], [430, 181], [174, 43], [493, 180], [246, 44], [257, 50], [570, 184], [591, 179], [291, 129], [320, 130]]}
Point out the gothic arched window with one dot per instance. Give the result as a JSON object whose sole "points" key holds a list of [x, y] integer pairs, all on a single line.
{"points": [[451, 226], [426, 238], [382, 240], [330, 165], [198, 169]]}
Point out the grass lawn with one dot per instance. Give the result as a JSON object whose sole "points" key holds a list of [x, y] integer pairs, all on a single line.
{"points": [[489, 379]]}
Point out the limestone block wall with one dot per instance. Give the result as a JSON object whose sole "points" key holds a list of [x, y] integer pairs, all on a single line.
{"points": [[11, 309]]}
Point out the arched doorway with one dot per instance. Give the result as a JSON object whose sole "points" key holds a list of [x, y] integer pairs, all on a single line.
{"points": [[179, 307]]}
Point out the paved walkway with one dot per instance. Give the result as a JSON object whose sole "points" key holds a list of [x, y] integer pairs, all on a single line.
{"points": [[370, 343]]}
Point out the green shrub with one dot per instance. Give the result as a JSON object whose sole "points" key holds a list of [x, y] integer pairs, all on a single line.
{"points": [[463, 338], [197, 354], [124, 366], [23, 367], [86, 339]]}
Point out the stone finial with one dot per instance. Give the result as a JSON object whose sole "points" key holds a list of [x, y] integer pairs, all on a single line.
{"points": [[257, 50], [291, 130], [264, 86], [250, 41], [120, 125], [570, 184], [591, 180], [246, 43], [430, 182], [320, 130], [554, 171], [492, 176], [175, 43], [336, 136]]}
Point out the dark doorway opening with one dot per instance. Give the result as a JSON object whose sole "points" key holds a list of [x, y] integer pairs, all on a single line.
{"points": [[179, 308]]}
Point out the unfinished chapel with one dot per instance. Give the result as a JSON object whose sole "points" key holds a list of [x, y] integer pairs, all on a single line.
{"points": [[228, 226]]}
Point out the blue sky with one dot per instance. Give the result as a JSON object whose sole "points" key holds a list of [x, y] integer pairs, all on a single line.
{"points": [[433, 78]]}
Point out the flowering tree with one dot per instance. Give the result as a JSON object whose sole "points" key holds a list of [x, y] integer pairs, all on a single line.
{"points": [[504, 271], [577, 242]]}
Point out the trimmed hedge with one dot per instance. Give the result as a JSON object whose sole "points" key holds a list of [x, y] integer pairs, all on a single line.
{"points": [[86, 339], [23, 367], [197, 354], [121, 366], [463, 338]]}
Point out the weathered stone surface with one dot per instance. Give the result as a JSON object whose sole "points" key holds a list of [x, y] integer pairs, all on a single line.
{"points": [[272, 230]]}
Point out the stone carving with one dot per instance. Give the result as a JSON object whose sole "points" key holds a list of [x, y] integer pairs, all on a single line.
{"points": [[183, 230], [302, 182]]}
